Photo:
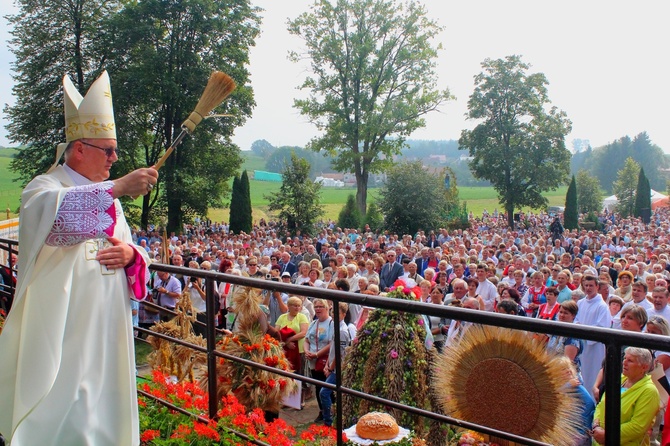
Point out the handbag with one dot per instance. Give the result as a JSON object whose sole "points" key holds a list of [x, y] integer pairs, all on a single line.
{"points": [[320, 362], [154, 298]]}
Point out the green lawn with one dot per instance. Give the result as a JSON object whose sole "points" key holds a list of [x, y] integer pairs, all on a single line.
{"points": [[332, 199]]}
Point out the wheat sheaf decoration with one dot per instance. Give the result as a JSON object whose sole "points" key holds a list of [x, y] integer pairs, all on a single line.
{"points": [[503, 379]]}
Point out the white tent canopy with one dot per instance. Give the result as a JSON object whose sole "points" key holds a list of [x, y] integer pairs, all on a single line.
{"points": [[610, 202]]}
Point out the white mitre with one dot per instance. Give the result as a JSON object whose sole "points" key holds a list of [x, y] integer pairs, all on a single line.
{"points": [[91, 116]]}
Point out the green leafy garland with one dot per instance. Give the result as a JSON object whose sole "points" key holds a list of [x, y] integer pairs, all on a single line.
{"points": [[389, 359]]}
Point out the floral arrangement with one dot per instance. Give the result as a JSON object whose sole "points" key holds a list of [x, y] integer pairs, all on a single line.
{"points": [[160, 426], [3, 315], [253, 388], [467, 438], [389, 359]]}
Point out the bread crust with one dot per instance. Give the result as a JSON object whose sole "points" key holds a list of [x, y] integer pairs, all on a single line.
{"points": [[377, 426]]}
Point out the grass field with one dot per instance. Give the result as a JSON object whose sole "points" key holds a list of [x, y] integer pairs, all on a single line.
{"points": [[332, 199]]}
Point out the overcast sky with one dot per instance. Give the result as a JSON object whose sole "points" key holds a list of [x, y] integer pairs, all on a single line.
{"points": [[606, 62]]}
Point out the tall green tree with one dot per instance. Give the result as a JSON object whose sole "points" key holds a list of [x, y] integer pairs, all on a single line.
{"points": [[247, 211], [349, 216], [372, 80], [642, 194], [571, 213], [50, 39], [413, 198], [235, 219], [165, 51], [519, 145], [298, 198], [625, 186], [589, 196]]}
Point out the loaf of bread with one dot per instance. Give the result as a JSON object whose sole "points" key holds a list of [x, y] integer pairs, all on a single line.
{"points": [[377, 426]]}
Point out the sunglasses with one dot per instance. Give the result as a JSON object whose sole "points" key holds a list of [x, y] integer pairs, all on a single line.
{"points": [[109, 151]]}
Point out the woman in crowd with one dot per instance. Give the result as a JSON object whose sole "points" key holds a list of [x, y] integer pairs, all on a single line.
{"points": [[317, 345], [472, 292], [534, 296], [429, 274], [512, 294], [441, 282], [370, 270], [327, 277], [639, 401], [292, 328], [586, 404], [302, 274], [519, 284], [570, 347], [426, 288], [438, 326], [197, 294], [549, 309], [624, 282], [633, 318]]}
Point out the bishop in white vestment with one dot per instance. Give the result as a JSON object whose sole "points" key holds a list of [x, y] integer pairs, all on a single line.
{"points": [[67, 375]]}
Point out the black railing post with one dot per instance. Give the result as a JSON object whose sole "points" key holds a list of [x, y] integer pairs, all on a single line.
{"points": [[612, 379], [210, 297], [338, 370]]}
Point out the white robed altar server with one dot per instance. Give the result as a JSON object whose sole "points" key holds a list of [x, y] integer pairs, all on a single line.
{"points": [[592, 311], [67, 373]]}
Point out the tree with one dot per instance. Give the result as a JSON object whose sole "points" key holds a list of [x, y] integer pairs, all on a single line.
{"points": [[164, 52], [642, 194], [589, 196], [298, 198], [624, 187], [159, 55], [235, 219], [374, 77], [571, 213], [245, 196], [413, 198], [262, 148], [374, 218], [50, 39], [349, 216], [520, 145]]}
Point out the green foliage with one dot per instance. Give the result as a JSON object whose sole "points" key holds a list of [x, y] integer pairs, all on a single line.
{"points": [[247, 220], [349, 216], [374, 218], [49, 39], [414, 199], [640, 148], [520, 145], [298, 198], [373, 77], [589, 197], [160, 55], [236, 207], [281, 157], [624, 187], [571, 214], [262, 148], [642, 194], [593, 218]]}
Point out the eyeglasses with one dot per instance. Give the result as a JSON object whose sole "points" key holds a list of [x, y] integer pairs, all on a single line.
{"points": [[315, 307], [253, 264], [109, 151]]}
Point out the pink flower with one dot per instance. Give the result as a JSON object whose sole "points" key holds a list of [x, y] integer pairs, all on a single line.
{"points": [[394, 354], [420, 320]]}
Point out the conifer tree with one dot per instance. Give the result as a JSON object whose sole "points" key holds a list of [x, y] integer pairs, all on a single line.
{"points": [[349, 217], [246, 217], [235, 207], [571, 214], [642, 194]]}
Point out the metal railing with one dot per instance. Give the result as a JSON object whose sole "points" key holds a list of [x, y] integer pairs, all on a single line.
{"points": [[613, 340], [7, 248]]}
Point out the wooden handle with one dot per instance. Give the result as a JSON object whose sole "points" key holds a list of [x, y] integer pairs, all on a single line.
{"points": [[165, 156]]}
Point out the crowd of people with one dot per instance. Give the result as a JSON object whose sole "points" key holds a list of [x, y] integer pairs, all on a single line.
{"points": [[615, 278]]}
